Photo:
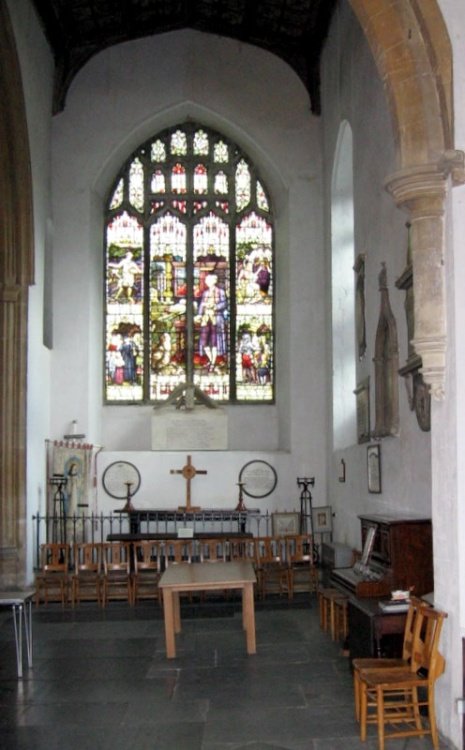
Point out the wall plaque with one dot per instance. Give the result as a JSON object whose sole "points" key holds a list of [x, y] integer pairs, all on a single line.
{"points": [[201, 429]]}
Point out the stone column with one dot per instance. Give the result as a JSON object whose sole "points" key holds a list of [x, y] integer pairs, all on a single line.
{"points": [[422, 192]]}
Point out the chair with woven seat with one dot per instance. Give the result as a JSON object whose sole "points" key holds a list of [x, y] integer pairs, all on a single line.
{"points": [[147, 569], [86, 582], [52, 580], [403, 697], [117, 580], [362, 665]]}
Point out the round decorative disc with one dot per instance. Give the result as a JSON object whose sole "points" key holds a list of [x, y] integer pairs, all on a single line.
{"points": [[258, 478], [121, 479]]}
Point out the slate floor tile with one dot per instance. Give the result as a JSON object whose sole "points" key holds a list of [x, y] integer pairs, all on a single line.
{"points": [[101, 681]]}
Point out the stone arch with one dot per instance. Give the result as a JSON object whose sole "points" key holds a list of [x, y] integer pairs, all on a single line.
{"points": [[413, 54], [16, 273]]}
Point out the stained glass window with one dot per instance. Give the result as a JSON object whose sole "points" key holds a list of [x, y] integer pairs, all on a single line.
{"points": [[189, 273]]}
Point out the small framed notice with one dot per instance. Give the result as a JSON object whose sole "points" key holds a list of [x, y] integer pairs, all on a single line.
{"points": [[374, 468]]}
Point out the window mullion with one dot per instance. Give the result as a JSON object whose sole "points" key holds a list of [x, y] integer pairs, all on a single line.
{"points": [[190, 295]]}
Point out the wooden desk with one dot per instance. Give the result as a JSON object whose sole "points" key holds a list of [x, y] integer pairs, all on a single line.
{"points": [[213, 576], [21, 604], [373, 632]]}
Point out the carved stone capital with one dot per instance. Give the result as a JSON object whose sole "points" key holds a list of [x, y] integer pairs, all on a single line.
{"points": [[419, 190], [453, 163]]}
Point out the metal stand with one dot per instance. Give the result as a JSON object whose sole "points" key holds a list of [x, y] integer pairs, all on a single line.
{"points": [[306, 514], [306, 504], [59, 515]]}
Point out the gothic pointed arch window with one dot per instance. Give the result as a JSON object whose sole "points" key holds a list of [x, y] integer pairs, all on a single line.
{"points": [[189, 272]]}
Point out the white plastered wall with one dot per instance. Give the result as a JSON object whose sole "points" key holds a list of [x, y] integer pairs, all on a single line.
{"points": [[120, 98], [352, 92]]}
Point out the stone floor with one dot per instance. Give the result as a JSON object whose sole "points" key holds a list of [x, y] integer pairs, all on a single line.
{"points": [[100, 680]]}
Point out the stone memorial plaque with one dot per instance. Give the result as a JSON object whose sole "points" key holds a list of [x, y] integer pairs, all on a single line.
{"points": [[201, 429]]}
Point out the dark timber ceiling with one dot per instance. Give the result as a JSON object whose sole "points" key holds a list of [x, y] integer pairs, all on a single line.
{"points": [[294, 30]]}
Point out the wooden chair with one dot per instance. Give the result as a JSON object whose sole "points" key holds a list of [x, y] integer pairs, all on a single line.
{"points": [[178, 551], [212, 550], [273, 571], [362, 666], [404, 697], [86, 582], [300, 557], [340, 624], [242, 549], [117, 580], [326, 598], [52, 581], [147, 569]]}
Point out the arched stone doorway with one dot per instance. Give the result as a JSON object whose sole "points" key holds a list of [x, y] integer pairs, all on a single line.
{"points": [[16, 274]]}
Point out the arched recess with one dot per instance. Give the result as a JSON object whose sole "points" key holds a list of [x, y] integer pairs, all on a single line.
{"points": [[16, 273], [413, 54]]}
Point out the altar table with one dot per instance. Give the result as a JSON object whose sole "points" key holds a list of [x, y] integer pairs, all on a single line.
{"points": [[21, 604], [209, 576]]}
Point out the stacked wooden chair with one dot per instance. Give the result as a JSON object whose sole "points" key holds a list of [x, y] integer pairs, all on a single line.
{"points": [[86, 582], [52, 580], [399, 697], [300, 558], [117, 578], [361, 666], [147, 570], [332, 603], [272, 569]]}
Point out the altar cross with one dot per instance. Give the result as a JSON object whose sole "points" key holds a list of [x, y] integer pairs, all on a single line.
{"points": [[188, 472]]}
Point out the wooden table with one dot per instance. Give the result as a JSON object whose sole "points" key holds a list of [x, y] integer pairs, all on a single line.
{"points": [[21, 604], [209, 576]]}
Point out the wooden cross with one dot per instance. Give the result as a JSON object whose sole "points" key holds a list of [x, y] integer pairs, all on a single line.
{"points": [[188, 472]]}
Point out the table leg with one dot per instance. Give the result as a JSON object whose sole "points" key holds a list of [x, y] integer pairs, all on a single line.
{"points": [[168, 608], [248, 617], [28, 630], [177, 611], [18, 626]]}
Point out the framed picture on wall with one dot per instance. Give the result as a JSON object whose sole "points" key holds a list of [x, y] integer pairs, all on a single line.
{"points": [[322, 519], [285, 523], [362, 395], [374, 468]]}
